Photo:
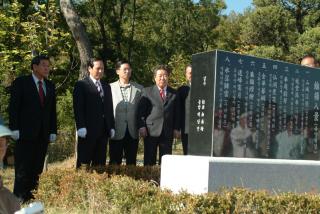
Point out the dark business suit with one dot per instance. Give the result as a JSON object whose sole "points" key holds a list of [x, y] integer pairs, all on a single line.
{"points": [[96, 115], [160, 118], [35, 123], [184, 109]]}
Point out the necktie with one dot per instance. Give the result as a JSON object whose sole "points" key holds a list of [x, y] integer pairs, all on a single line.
{"points": [[99, 89], [41, 93], [162, 95]]}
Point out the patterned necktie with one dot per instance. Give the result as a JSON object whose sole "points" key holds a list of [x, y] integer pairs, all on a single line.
{"points": [[41, 93], [162, 95], [99, 89]]}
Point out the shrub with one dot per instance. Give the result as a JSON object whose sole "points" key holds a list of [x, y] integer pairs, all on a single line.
{"points": [[111, 192]]}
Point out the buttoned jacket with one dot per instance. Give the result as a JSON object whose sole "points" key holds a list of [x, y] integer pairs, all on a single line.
{"points": [[125, 113]]}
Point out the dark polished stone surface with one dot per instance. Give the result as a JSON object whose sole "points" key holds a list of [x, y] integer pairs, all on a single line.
{"points": [[245, 106]]}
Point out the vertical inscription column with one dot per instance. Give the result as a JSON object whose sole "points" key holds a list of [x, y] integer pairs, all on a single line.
{"points": [[203, 95], [316, 97]]}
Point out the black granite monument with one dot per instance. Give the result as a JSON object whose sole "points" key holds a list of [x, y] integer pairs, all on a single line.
{"points": [[244, 106]]}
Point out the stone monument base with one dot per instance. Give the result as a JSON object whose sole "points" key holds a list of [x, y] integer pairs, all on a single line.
{"points": [[199, 174]]}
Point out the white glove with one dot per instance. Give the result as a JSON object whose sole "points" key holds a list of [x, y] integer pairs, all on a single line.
{"points": [[52, 138], [15, 135], [82, 132], [112, 132]]}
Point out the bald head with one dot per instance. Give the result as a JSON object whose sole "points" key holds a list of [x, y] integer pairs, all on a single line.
{"points": [[309, 61]]}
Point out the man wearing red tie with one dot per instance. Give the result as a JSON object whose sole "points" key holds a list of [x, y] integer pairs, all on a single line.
{"points": [[33, 119], [158, 117]]}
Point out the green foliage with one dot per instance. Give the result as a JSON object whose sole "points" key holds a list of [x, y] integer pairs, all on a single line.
{"points": [[150, 32], [65, 145], [228, 32], [65, 112], [83, 192], [11, 54], [308, 43], [271, 26], [178, 63], [4, 98], [269, 52], [41, 30]]}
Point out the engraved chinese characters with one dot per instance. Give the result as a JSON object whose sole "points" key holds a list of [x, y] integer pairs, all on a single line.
{"points": [[253, 107]]}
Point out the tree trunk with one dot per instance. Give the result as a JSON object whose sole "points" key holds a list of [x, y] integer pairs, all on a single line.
{"points": [[299, 17], [79, 34], [132, 30]]}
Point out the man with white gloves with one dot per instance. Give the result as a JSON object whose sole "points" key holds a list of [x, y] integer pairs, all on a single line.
{"points": [[93, 110]]}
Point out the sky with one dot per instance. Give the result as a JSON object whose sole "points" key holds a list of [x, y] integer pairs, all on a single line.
{"points": [[237, 5]]}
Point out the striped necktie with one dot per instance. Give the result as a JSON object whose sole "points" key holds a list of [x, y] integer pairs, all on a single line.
{"points": [[99, 88]]}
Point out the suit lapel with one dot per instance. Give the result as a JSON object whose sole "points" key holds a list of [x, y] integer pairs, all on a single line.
{"points": [[92, 86], [104, 88], [91, 83], [34, 89], [156, 94], [133, 92], [118, 92], [169, 95], [48, 92]]}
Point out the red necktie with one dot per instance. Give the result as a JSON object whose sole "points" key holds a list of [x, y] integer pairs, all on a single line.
{"points": [[162, 95], [41, 93]]}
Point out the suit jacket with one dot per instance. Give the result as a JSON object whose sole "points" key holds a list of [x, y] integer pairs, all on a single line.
{"points": [[90, 110], [157, 115], [125, 115], [26, 113], [183, 93]]}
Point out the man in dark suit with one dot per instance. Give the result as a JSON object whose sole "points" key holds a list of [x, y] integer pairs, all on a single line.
{"points": [[184, 101], [33, 119], [93, 110], [158, 117]]}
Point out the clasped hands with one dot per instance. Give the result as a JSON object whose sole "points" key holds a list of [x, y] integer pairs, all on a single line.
{"points": [[16, 136], [82, 132], [144, 133]]}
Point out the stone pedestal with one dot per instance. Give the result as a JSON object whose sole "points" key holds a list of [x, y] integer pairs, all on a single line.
{"points": [[198, 174]]}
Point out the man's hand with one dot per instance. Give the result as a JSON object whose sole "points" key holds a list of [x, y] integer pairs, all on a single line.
{"points": [[143, 132], [52, 138], [15, 135], [82, 132], [112, 133]]}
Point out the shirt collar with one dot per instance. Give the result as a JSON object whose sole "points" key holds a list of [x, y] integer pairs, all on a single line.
{"points": [[164, 89], [94, 80], [124, 85], [36, 79]]}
